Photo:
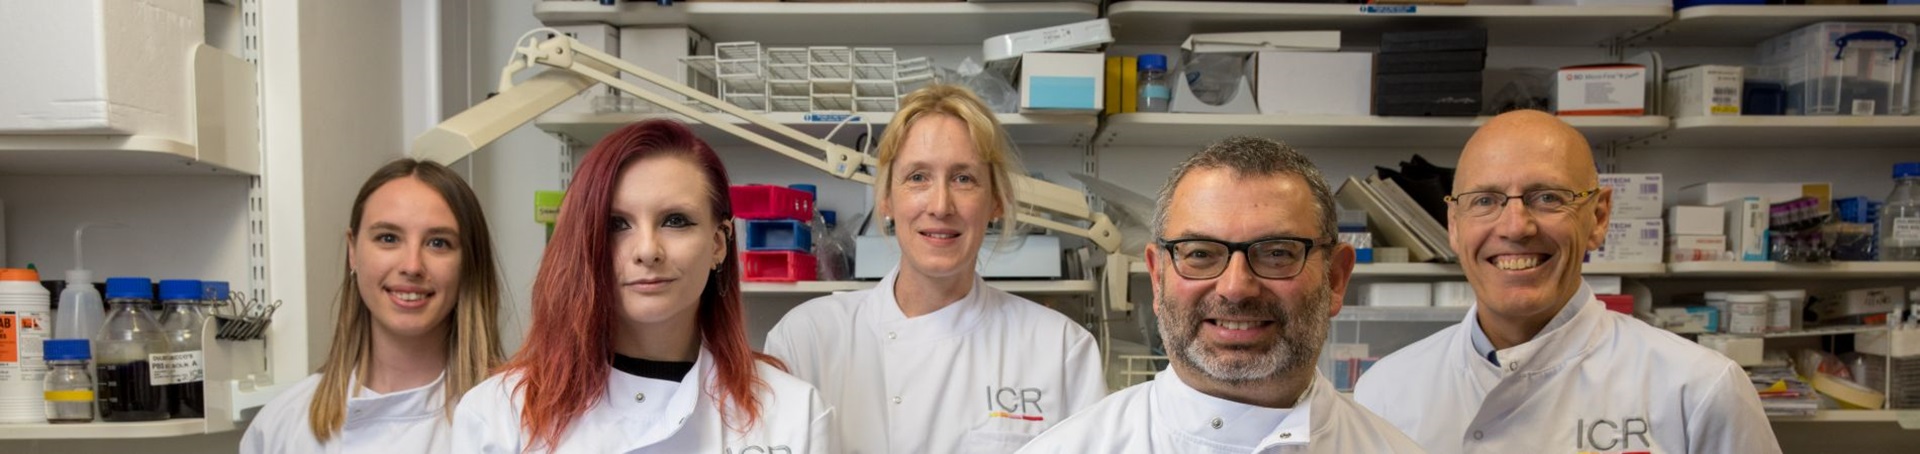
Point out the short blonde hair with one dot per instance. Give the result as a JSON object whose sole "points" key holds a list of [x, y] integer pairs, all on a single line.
{"points": [[989, 140]]}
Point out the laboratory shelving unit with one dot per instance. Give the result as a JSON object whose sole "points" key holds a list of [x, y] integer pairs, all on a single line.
{"points": [[1617, 30]]}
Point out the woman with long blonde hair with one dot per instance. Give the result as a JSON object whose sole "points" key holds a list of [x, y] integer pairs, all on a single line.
{"points": [[418, 323]]}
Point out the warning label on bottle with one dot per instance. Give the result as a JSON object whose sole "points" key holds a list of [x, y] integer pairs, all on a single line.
{"points": [[176, 368], [1905, 232], [22, 337]]}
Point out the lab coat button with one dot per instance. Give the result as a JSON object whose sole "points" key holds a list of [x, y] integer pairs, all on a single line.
{"points": [[639, 397], [892, 336], [1476, 435], [896, 400], [1216, 423], [1286, 435]]}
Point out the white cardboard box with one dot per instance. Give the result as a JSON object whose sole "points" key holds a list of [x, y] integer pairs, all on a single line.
{"points": [[1314, 83], [604, 37], [1696, 220], [99, 66], [1053, 82], [1705, 90], [1631, 241], [1696, 248], [1747, 221], [1613, 89], [1877, 300], [659, 49], [1184, 101], [1717, 193], [1635, 195], [1743, 350], [1453, 294], [1398, 294]]}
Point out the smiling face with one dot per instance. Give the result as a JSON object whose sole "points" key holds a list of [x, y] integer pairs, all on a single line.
{"points": [[1525, 265], [405, 256], [666, 243], [1239, 327], [940, 196]]}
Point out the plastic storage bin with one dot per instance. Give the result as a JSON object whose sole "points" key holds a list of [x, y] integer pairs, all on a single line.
{"points": [[1845, 68], [778, 266], [779, 235], [759, 201]]}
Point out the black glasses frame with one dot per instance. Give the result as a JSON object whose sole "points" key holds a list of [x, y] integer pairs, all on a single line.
{"points": [[1242, 248]]}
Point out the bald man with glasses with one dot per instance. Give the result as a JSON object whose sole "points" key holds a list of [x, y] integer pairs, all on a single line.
{"points": [[1539, 364], [1247, 275]]}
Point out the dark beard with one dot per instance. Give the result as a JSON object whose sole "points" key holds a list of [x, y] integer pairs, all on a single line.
{"points": [[1301, 335]]}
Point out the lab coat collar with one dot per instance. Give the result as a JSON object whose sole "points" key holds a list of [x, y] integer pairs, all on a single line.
{"points": [[1190, 414], [1566, 338], [653, 423], [367, 405], [955, 320]]}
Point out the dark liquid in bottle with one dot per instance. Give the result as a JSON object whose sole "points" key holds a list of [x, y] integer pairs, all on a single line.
{"points": [[127, 393], [187, 400]]}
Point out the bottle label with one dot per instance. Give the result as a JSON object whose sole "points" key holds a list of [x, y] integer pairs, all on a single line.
{"points": [[175, 368], [1905, 232], [75, 395], [22, 349]]}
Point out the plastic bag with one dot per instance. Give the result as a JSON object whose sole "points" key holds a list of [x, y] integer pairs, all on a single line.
{"points": [[991, 86]]}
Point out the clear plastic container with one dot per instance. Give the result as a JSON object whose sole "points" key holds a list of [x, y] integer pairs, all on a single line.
{"points": [[1156, 90], [1900, 217], [1845, 68], [182, 318], [128, 345], [69, 381]]}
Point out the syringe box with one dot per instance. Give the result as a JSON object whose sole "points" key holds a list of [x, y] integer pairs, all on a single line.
{"points": [[1704, 91]]}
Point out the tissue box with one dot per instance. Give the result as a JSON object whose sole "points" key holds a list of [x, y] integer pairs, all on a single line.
{"points": [[660, 49], [1704, 91], [1631, 241], [1687, 320], [1612, 89], [1184, 101], [100, 66], [1398, 294], [1696, 248], [1314, 83], [1052, 82], [1635, 195], [1696, 220]]}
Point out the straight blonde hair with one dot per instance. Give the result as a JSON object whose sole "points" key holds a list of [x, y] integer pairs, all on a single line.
{"points": [[473, 347], [989, 140]]}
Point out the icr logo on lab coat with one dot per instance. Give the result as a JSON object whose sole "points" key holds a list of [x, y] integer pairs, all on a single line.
{"points": [[1021, 404], [1606, 435]]}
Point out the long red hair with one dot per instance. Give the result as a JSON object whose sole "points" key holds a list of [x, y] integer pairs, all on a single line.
{"points": [[564, 365]]}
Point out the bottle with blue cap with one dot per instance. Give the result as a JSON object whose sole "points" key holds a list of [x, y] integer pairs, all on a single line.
{"points": [[69, 384], [129, 344], [1156, 93], [182, 318], [1900, 217]]}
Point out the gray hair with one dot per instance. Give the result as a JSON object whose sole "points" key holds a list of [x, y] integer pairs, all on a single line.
{"points": [[1252, 156]]}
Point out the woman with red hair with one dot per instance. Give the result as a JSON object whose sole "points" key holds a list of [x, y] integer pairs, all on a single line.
{"points": [[638, 342]]}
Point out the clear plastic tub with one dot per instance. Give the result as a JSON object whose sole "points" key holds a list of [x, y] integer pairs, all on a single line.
{"points": [[1845, 68]]}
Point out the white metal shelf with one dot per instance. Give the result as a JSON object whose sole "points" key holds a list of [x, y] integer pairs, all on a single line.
{"points": [[1169, 22], [1748, 25], [804, 288], [105, 430], [1400, 314], [1853, 416], [1025, 129], [1453, 270], [1822, 132], [1774, 270], [1367, 131], [1827, 331], [22, 154], [829, 23]]}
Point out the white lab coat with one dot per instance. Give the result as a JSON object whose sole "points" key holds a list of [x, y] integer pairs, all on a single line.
{"points": [[984, 374], [1598, 382], [1167, 416], [643, 415], [406, 421]]}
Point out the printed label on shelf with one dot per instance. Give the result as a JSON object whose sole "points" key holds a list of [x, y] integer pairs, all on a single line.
{"points": [[1863, 107], [22, 349], [1388, 9], [175, 368]]}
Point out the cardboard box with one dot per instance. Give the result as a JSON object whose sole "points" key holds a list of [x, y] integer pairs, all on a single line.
{"points": [[1052, 82], [1687, 320], [1130, 84], [1433, 41], [1631, 241], [1430, 62], [1605, 285], [659, 49], [1715, 193], [1696, 220], [1184, 101], [1635, 195], [1747, 221], [1866, 301], [100, 67], [1453, 294], [1613, 89], [1397, 294], [1696, 248], [1704, 91], [1314, 83], [1743, 350]]}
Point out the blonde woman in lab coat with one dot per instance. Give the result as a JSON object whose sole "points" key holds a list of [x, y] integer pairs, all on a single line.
{"points": [[638, 342], [933, 360], [416, 328]]}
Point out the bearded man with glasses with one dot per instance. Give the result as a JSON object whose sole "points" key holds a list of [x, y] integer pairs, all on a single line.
{"points": [[1247, 275], [1539, 364]]}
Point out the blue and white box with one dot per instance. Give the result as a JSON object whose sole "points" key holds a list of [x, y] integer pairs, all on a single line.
{"points": [[1053, 82]]}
